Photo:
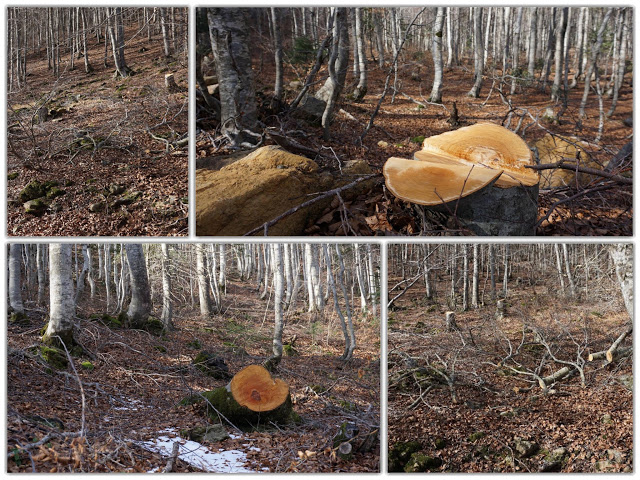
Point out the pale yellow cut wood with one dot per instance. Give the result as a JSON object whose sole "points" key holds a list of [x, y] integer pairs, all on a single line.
{"points": [[486, 144], [254, 388], [435, 180]]}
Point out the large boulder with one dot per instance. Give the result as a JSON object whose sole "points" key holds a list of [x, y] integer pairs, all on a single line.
{"points": [[259, 187]]}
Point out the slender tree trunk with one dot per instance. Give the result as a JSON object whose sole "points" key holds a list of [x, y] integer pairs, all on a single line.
{"points": [[593, 62], [278, 283], [62, 307], [533, 26], [436, 90], [15, 291], [277, 45], [559, 55], [476, 276], [361, 88], [167, 304], [478, 53], [140, 304], [203, 284]]}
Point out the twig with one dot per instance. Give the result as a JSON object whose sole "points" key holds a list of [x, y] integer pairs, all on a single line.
{"points": [[576, 168], [172, 458], [265, 226]]}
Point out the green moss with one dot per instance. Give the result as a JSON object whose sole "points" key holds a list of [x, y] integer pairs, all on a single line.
{"points": [[418, 139], [289, 350], [54, 192], [400, 454], [440, 443], [154, 325], [419, 462], [54, 357], [347, 406], [35, 207], [475, 436], [87, 365], [13, 175], [33, 190], [160, 348], [222, 401], [195, 344], [19, 318]]}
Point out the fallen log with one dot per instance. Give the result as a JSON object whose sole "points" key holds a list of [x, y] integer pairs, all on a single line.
{"points": [[614, 346], [252, 398], [620, 352]]}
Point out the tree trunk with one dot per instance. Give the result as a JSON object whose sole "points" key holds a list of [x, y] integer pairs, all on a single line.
{"points": [[436, 90], [167, 304], [278, 285], [62, 306], [593, 62], [203, 284], [229, 35], [15, 292], [277, 45], [622, 256], [361, 88], [478, 53], [140, 305]]}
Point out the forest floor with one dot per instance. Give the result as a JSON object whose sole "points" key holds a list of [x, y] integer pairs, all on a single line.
{"points": [[138, 379], [483, 423], [602, 207], [97, 146]]}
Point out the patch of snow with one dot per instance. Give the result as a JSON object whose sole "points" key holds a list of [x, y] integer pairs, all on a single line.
{"points": [[199, 456]]}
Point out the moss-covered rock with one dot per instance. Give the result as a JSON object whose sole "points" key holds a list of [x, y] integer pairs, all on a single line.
{"points": [[221, 400], [54, 357], [54, 192], [475, 436], [18, 318], [35, 207], [211, 365], [13, 175], [419, 462], [109, 320], [400, 454], [439, 443], [554, 460], [33, 190]]}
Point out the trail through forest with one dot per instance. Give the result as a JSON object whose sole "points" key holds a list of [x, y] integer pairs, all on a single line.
{"points": [[132, 383], [103, 159]]}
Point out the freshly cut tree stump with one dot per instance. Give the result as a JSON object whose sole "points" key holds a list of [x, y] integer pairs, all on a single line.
{"points": [[170, 83], [251, 399], [477, 174], [450, 319]]}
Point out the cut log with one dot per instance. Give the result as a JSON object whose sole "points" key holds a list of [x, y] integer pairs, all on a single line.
{"points": [[564, 372], [614, 346], [254, 388], [620, 352], [252, 398]]}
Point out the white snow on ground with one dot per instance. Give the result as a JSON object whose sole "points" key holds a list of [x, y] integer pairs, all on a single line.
{"points": [[199, 456], [132, 407]]}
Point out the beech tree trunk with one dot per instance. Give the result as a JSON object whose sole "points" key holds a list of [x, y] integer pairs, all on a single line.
{"points": [[62, 306], [140, 305], [15, 292], [436, 90]]}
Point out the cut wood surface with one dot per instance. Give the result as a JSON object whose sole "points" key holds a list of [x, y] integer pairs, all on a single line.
{"points": [[254, 388]]}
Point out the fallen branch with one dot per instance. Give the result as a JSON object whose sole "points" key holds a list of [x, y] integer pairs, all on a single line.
{"points": [[576, 168], [265, 226], [614, 346], [172, 458], [621, 352]]}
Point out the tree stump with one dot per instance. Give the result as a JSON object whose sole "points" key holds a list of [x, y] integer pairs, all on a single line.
{"points": [[500, 309], [170, 83], [252, 398], [450, 319]]}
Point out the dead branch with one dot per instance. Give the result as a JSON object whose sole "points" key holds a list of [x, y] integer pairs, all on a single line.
{"points": [[577, 168], [172, 458], [265, 226]]}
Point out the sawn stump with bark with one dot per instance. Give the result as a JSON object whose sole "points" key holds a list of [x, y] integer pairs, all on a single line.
{"points": [[477, 174], [252, 398]]}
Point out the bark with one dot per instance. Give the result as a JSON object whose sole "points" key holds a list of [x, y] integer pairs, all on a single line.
{"points": [[278, 284], [203, 284], [229, 36], [167, 304], [83, 274], [478, 53], [593, 62], [277, 45], [361, 88], [622, 59], [140, 304], [436, 90], [476, 276], [62, 307], [533, 26], [559, 55], [622, 256], [41, 252], [15, 292]]}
